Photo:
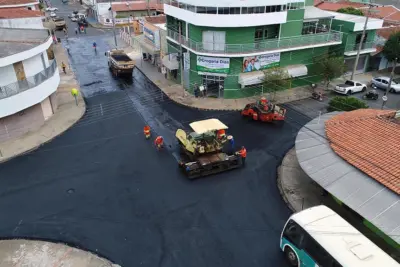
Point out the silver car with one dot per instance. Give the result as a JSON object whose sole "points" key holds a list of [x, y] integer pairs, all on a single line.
{"points": [[383, 82]]}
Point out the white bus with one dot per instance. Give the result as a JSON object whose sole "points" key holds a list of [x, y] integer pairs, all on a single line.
{"points": [[318, 236]]}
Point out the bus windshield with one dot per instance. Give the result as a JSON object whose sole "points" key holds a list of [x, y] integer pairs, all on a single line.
{"points": [[320, 237]]}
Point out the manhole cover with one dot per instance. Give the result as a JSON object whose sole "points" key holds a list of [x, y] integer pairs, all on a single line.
{"points": [[71, 191]]}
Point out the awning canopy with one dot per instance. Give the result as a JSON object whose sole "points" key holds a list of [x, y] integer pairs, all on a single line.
{"points": [[146, 45], [204, 126], [170, 64], [250, 78], [297, 70]]}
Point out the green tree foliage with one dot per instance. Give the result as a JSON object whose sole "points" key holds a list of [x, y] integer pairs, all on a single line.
{"points": [[276, 79], [340, 103], [391, 49], [351, 11], [330, 68]]}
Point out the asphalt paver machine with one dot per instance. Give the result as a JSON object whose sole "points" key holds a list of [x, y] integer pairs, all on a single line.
{"points": [[203, 150], [264, 111]]}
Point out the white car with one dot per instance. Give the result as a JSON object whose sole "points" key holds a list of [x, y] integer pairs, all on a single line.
{"points": [[74, 18], [53, 15], [52, 9], [350, 87], [383, 83]]}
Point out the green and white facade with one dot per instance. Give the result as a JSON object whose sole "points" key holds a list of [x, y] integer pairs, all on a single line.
{"points": [[226, 45]]}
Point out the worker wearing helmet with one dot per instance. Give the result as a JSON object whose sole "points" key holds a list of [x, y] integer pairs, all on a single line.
{"points": [[146, 131], [243, 154], [231, 142], [159, 142], [221, 134], [263, 101]]}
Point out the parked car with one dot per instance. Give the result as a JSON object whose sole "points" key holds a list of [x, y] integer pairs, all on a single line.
{"points": [[53, 14], [73, 18], [383, 82], [52, 9], [350, 87]]}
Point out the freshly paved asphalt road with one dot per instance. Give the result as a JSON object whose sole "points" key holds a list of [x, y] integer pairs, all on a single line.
{"points": [[103, 187]]}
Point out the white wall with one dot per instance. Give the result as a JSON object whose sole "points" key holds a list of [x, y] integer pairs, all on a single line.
{"points": [[46, 59], [102, 9], [7, 74], [33, 65], [32, 23], [240, 20], [4, 61], [28, 98]]}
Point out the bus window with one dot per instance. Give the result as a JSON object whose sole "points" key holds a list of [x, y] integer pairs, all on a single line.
{"points": [[293, 233], [315, 251]]}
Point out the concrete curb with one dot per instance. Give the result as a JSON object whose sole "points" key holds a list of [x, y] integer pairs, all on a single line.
{"points": [[48, 140], [279, 182]]}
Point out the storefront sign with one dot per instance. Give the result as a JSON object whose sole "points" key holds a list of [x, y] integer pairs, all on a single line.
{"points": [[148, 34], [213, 64], [261, 62], [186, 60]]}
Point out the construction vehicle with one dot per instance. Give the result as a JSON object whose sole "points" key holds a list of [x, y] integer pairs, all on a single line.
{"points": [[264, 111], [202, 151], [59, 23], [119, 63]]}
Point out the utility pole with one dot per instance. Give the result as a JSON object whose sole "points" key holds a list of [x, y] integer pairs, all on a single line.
{"points": [[390, 83], [113, 22], [181, 55], [361, 42]]}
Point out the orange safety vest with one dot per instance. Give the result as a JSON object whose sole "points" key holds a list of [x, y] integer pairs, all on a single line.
{"points": [[146, 129], [243, 152], [220, 133], [159, 140]]}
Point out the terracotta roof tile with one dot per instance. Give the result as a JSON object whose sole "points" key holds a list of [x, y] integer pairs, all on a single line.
{"points": [[329, 6], [369, 140], [16, 2], [390, 13], [135, 6], [19, 12], [386, 32], [156, 19]]}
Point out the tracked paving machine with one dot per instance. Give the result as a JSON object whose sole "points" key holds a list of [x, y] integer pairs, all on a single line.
{"points": [[264, 110], [203, 151]]}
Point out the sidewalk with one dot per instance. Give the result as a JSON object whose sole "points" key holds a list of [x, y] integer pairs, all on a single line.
{"points": [[297, 189], [66, 115], [177, 94], [19, 252]]}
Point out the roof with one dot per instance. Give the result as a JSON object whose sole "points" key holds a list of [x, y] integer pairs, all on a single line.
{"points": [[386, 32], [233, 3], [359, 137], [209, 125], [161, 19], [390, 13], [357, 190], [352, 18], [17, 2], [340, 239], [316, 13], [19, 12], [136, 6], [13, 41], [330, 6]]}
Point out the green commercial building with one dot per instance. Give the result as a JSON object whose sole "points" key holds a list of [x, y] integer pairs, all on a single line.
{"points": [[225, 46]]}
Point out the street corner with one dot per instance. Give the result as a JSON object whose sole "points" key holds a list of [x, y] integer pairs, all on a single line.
{"points": [[21, 252]]}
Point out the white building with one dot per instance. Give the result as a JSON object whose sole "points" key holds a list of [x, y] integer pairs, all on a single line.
{"points": [[29, 80], [18, 17]]}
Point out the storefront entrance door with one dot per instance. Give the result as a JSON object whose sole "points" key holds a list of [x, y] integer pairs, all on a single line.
{"points": [[214, 85]]}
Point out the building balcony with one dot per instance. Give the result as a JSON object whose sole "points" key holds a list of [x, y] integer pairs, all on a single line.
{"points": [[22, 94], [249, 49], [366, 48]]}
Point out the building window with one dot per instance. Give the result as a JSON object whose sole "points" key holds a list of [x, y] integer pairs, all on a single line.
{"points": [[211, 10], [223, 10], [182, 5], [258, 34], [201, 9], [191, 8], [234, 10]]}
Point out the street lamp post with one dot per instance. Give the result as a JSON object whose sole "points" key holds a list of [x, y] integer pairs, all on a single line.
{"points": [[385, 98], [113, 23]]}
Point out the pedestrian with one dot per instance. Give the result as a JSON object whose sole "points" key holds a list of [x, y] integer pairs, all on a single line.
{"points": [[63, 66], [67, 47], [243, 154], [81, 28], [146, 131], [65, 31], [76, 31], [159, 142], [196, 90], [54, 39]]}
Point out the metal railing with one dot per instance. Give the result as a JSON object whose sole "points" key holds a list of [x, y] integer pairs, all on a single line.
{"points": [[267, 45], [29, 82], [354, 47]]}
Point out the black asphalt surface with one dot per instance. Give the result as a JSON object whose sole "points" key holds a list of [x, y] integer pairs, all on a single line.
{"points": [[102, 187]]}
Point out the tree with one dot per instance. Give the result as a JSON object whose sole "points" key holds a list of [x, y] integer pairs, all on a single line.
{"points": [[276, 79], [330, 68], [351, 11], [340, 103], [391, 49]]}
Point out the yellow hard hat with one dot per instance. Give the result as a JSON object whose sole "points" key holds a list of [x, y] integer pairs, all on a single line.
{"points": [[74, 91]]}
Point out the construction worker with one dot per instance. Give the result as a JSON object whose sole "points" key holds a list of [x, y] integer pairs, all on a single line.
{"points": [[146, 131], [231, 142], [63, 66], [255, 116], [243, 153], [221, 134], [263, 101], [159, 142]]}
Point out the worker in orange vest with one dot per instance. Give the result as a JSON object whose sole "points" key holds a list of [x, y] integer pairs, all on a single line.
{"points": [[243, 153], [255, 116], [146, 131], [159, 142], [221, 134]]}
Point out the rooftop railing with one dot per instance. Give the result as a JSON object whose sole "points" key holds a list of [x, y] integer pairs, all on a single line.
{"points": [[28, 83], [261, 46], [354, 47]]}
